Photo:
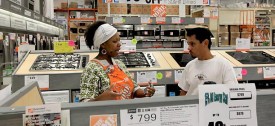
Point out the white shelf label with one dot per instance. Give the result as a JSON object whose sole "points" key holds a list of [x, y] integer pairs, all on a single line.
{"points": [[178, 75], [199, 20], [145, 20], [31, 26], [269, 72], [5, 20], [43, 81], [176, 20], [127, 46], [117, 20], [238, 72], [242, 44], [18, 23], [146, 77]]}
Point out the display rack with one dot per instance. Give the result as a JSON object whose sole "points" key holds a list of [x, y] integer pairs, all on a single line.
{"points": [[74, 17]]}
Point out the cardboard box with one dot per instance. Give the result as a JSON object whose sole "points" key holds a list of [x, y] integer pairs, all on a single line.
{"points": [[246, 35], [73, 5], [146, 9], [234, 28], [64, 5], [223, 28], [233, 38], [224, 39]]}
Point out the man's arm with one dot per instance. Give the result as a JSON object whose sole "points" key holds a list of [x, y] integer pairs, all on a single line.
{"points": [[183, 92]]}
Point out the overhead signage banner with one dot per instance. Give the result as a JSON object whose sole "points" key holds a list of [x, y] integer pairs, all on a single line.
{"points": [[166, 2]]}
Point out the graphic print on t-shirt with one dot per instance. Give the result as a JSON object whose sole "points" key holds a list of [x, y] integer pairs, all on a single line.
{"points": [[201, 76]]}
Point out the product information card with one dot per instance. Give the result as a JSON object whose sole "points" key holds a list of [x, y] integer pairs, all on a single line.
{"points": [[43, 115], [227, 105], [181, 115]]}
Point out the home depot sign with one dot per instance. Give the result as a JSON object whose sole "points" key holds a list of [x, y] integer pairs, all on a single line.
{"points": [[158, 10]]}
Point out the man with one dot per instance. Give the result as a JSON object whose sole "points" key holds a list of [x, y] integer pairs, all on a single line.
{"points": [[205, 68]]}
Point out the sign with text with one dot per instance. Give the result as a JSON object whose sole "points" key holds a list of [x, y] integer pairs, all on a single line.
{"points": [[127, 46], [242, 44], [181, 115], [178, 75], [42, 115], [238, 72], [160, 20], [145, 20], [146, 77], [269, 72], [63, 47], [158, 10], [227, 105], [42, 80], [5, 20]]}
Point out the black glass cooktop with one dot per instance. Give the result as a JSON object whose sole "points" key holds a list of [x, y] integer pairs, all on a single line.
{"points": [[253, 57], [182, 58]]}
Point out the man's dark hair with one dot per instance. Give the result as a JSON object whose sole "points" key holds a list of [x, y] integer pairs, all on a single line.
{"points": [[201, 34], [90, 33]]}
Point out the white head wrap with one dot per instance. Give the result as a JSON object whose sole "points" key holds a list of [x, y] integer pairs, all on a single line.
{"points": [[102, 34]]}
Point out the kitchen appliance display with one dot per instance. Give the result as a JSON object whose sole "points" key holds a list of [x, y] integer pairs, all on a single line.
{"points": [[60, 62], [182, 58], [138, 59], [253, 57]]}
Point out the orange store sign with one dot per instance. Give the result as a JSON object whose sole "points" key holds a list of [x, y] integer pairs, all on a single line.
{"points": [[158, 10]]}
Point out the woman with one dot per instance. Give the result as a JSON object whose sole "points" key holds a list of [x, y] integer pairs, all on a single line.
{"points": [[105, 78]]}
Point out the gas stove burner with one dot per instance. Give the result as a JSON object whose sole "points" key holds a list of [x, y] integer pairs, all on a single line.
{"points": [[253, 57], [59, 62], [137, 59]]}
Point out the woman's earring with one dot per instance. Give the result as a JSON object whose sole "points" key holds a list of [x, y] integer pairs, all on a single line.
{"points": [[103, 51]]}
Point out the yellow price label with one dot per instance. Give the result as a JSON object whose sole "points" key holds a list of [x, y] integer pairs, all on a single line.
{"points": [[63, 47]]}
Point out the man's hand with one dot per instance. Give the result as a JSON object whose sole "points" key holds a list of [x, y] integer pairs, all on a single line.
{"points": [[183, 92]]}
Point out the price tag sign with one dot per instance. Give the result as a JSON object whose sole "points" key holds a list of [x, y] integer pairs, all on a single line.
{"points": [[178, 75], [63, 47], [176, 20], [127, 46], [140, 116], [199, 20], [242, 44], [238, 72], [269, 72], [227, 105], [145, 20], [146, 77], [43, 81], [160, 20], [117, 20]]}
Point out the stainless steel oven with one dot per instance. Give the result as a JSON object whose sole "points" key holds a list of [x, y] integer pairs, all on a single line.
{"points": [[147, 32], [125, 31], [172, 32]]}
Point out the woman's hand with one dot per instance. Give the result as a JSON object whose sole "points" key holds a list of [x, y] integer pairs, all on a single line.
{"points": [[108, 94], [149, 91]]}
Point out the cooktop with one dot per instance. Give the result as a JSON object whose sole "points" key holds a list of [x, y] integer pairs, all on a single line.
{"points": [[253, 57], [182, 58], [60, 62], [137, 59]]}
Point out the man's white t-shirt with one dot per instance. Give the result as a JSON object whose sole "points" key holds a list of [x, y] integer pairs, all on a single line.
{"points": [[197, 72]]}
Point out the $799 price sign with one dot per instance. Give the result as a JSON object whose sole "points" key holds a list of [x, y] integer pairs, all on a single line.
{"points": [[140, 116]]}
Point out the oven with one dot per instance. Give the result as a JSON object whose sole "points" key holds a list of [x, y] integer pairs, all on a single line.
{"points": [[172, 32], [148, 32], [125, 31]]}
